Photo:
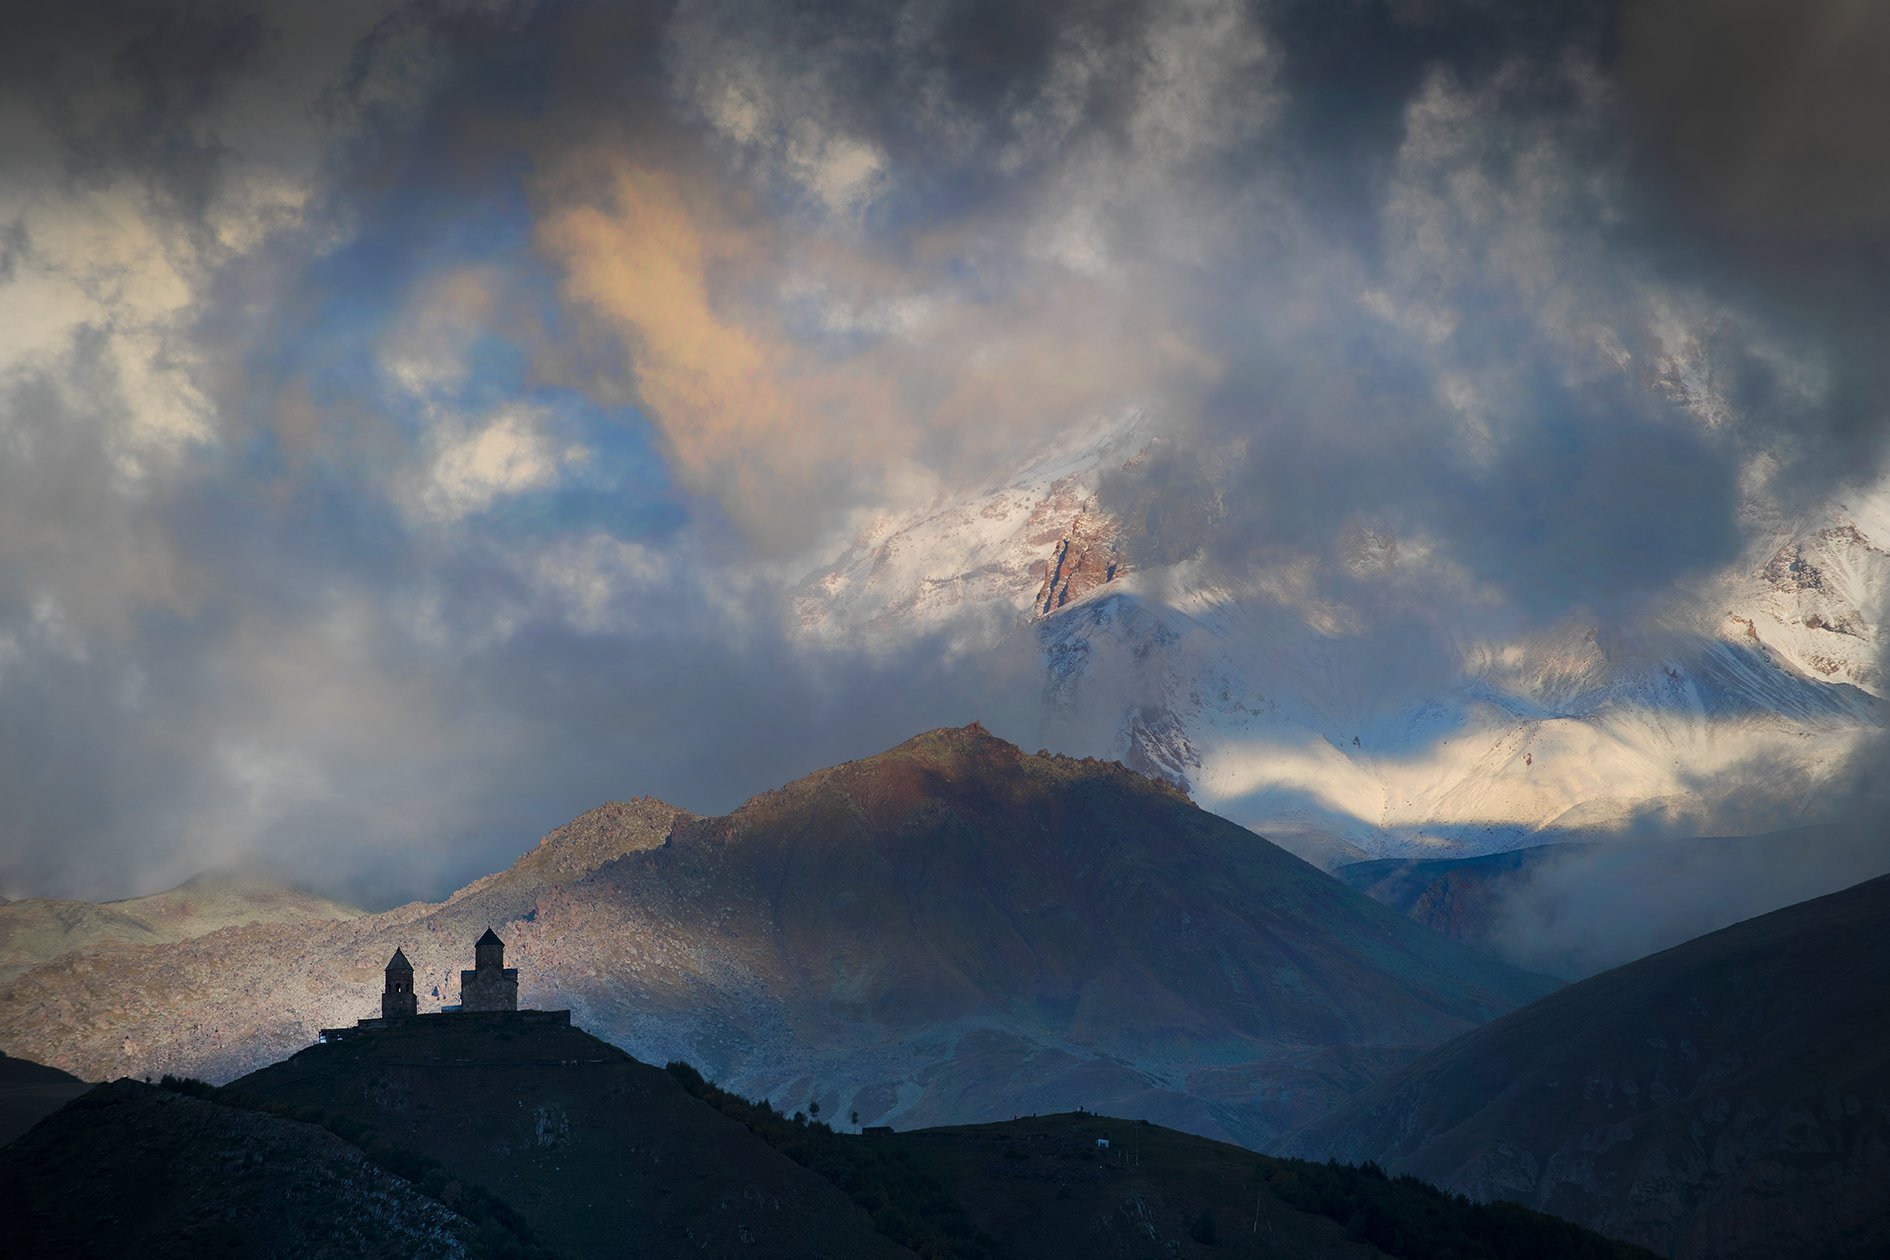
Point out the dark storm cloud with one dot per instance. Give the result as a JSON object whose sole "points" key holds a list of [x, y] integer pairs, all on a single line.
{"points": [[127, 87], [1593, 488], [1758, 139], [1766, 118]]}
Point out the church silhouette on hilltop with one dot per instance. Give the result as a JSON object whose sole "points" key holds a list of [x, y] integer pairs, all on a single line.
{"points": [[490, 988]]}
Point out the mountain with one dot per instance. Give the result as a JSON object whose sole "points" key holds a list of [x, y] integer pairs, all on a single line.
{"points": [[1574, 909], [131, 1169], [1369, 704], [30, 1091], [948, 931], [1729, 1097], [35, 930]]}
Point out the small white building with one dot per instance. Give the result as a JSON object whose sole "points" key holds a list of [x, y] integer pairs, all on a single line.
{"points": [[1102, 1144]]}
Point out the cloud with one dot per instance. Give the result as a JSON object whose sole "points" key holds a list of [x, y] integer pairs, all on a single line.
{"points": [[507, 454], [1477, 382], [786, 398], [723, 391], [1584, 908], [415, 416]]}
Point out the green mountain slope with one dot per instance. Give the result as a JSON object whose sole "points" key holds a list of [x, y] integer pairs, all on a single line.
{"points": [[37, 930]]}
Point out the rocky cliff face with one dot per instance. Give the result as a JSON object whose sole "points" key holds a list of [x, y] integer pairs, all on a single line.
{"points": [[948, 931], [1729, 1097], [1084, 558]]}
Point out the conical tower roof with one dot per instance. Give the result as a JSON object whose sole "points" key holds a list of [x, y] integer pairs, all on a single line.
{"points": [[490, 938], [399, 962]]}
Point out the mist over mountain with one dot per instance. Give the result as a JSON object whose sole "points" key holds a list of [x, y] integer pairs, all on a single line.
{"points": [[1573, 909]]}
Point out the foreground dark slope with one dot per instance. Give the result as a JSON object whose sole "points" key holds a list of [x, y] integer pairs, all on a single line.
{"points": [[493, 1135], [30, 1091], [1729, 1097], [1080, 1186], [132, 1170], [949, 931], [601, 1154]]}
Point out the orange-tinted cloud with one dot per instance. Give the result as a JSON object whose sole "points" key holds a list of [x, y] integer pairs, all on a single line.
{"points": [[781, 419]]}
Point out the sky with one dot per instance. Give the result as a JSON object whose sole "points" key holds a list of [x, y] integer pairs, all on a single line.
{"points": [[413, 417]]}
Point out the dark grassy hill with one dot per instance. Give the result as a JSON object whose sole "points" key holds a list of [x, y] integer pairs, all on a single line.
{"points": [[494, 1136], [600, 1154], [134, 1170], [1042, 1187], [30, 1091], [1729, 1097], [948, 931]]}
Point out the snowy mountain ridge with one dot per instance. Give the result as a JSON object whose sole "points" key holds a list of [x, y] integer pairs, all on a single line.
{"points": [[1346, 731], [986, 556]]}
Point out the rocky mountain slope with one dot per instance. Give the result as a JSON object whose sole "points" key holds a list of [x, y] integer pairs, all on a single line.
{"points": [[949, 931], [34, 930], [1729, 1097], [1390, 722]]}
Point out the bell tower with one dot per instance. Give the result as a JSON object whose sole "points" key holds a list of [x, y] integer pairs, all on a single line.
{"points": [[489, 951], [398, 999], [490, 985]]}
